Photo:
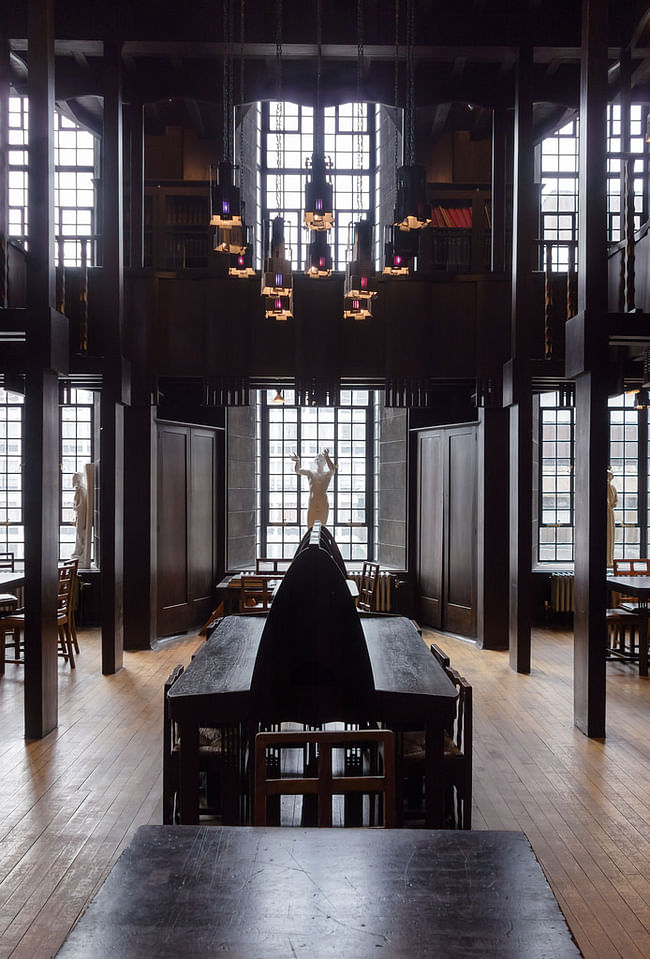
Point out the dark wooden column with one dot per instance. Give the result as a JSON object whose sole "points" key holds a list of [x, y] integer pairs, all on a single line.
{"points": [[41, 412], [115, 386], [492, 546], [586, 359], [4, 153], [517, 389], [140, 524], [136, 185], [498, 231]]}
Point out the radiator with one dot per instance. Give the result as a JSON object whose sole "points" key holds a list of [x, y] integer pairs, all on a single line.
{"points": [[383, 593], [562, 592]]}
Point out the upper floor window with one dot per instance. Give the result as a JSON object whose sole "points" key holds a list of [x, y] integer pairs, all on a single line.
{"points": [[347, 432], [628, 458], [76, 157], [559, 180], [285, 134]]}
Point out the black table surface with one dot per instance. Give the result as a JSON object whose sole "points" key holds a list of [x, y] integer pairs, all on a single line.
{"points": [[10, 580], [274, 893], [630, 585], [216, 685]]}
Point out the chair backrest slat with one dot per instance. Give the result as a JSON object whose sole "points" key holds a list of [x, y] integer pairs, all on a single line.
{"points": [[326, 784]]}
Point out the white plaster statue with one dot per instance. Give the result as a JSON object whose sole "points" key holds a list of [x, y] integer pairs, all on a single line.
{"points": [[319, 479], [80, 505], [612, 498]]}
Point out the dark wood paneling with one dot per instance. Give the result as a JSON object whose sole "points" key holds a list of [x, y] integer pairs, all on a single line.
{"points": [[430, 494], [460, 568], [202, 517], [446, 540], [173, 470], [188, 525]]}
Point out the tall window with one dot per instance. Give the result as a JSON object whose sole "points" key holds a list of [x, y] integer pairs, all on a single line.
{"points": [[556, 480], [76, 449], [628, 458], [347, 431], [12, 535], [559, 169], [559, 180], [75, 161], [286, 132]]}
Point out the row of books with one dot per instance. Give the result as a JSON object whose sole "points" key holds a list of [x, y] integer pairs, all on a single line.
{"points": [[452, 216], [459, 217]]}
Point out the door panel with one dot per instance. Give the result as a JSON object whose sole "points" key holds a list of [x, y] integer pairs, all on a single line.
{"points": [[460, 580], [188, 459], [446, 529], [202, 517], [429, 527], [172, 526]]}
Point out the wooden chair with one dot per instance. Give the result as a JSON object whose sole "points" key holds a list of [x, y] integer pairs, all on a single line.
{"points": [[440, 655], [324, 784], [254, 594], [622, 635], [218, 763], [7, 562], [272, 564], [68, 644], [630, 567], [368, 586], [14, 623], [457, 761]]}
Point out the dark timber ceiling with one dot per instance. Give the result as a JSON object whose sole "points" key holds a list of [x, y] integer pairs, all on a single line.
{"points": [[465, 53]]}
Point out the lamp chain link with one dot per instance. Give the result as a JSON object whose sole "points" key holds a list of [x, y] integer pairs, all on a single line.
{"points": [[358, 105]]}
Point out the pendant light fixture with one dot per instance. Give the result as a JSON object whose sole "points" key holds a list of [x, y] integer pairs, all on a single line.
{"points": [[398, 244], [319, 206], [277, 275], [225, 198], [412, 212], [241, 263], [357, 292]]}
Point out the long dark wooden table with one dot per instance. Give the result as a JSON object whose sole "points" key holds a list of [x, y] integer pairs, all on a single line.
{"points": [[410, 688], [180, 891], [10, 580], [638, 586]]}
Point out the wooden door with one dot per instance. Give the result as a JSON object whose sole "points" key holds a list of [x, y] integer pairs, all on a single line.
{"points": [[445, 552], [430, 491], [188, 480]]}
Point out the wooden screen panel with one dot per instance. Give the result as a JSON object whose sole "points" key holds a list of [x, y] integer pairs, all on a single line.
{"points": [[188, 525], [172, 540], [430, 527], [202, 519], [459, 615]]}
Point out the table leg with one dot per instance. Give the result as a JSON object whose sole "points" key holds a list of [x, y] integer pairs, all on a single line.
{"points": [[189, 778], [434, 773], [643, 638]]}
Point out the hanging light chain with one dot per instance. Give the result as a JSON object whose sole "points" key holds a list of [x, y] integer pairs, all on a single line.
{"points": [[227, 81], [279, 107], [242, 25], [358, 106], [396, 83], [410, 41]]}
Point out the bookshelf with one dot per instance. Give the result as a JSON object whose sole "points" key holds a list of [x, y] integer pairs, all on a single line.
{"points": [[177, 234], [461, 220]]}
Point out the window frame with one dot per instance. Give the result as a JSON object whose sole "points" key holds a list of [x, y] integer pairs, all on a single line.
{"points": [[335, 490]]}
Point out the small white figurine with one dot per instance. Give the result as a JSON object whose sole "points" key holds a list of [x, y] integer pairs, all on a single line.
{"points": [[80, 505], [319, 479], [612, 498]]}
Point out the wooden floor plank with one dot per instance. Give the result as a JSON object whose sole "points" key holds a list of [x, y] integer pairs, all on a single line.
{"points": [[69, 803]]}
